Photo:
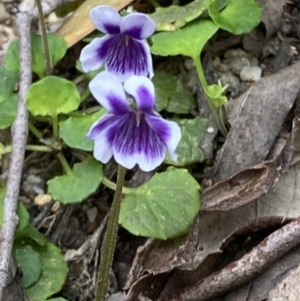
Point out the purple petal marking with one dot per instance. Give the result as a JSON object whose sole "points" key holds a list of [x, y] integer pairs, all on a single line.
{"points": [[109, 92], [106, 19], [137, 143], [142, 89], [168, 132], [138, 26], [93, 55], [128, 57]]}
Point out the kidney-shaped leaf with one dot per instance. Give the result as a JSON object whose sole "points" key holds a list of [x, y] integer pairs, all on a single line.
{"points": [[55, 271], [52, 96], [57, 49], [162, 208], [173, 17], [8, 111], [188, 40], [73, 130], [30, 262], [188, 150], [73, 188], [238, 17], [8, 80]]}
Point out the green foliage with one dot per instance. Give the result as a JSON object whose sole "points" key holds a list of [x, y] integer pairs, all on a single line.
{"points": [[30, 262], [54, 272], [173, 17], [238, 17], [52, 96], [188, 40], [44, 267], [73, 130], [188, 150], [21, 212], [8, 81], [172, 94], [162, 208], [8, 111], [75, 187], [57, 49]]}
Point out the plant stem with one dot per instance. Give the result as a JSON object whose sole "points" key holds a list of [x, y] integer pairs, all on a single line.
{"points": [[65, 164], [55, 128], [214, 113], [110, 238], [35, 131], [44, 37], [37, 148], [113, 186]]}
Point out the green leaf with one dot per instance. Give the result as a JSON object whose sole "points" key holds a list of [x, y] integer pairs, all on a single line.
{"points": [[165, 85], [215, 93], [188, 150], [30, 262], [173, 17], [162, 208], [57, 49], [188, 40], [21, 212], [30, 232], [172, 94], [8, 80], [182, 101], [8, 111], [57, 299], [52, 96], [54, 273], [73, 130], [75, 187], [238, 17]]}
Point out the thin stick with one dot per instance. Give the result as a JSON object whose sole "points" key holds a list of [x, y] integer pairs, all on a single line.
{"points": [[243, 270], [19, 137], [44, 37]]}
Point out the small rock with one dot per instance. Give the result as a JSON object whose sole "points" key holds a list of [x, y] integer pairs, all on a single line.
{"points": [[42, 199], [235, 53], [92, 214], [217, 65], [55, 206], [189, 64], [231, 80], [250, 74], [26, 5], [34, 185], [4, 15], [236, 64]]}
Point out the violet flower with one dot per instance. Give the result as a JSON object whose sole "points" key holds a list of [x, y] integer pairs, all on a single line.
{"points": [[134, 133], [124, 50]]}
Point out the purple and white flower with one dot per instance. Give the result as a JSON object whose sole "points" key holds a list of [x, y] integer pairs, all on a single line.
{"points": [[132, 132], [124, 50]]}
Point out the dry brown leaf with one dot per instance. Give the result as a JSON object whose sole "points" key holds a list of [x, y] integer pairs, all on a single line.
{"points": [[79, 24], [272, 11], [256, 118]]}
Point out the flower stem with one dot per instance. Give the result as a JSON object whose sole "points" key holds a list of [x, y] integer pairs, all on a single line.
{"points": [[37, 148], [55, 127], [44, 37], [213, 110], [110, 238], [113, 186], [65, 164]]}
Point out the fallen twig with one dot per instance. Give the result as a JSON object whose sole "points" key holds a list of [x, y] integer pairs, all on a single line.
{"points": [[19, 137], [243, 270]]}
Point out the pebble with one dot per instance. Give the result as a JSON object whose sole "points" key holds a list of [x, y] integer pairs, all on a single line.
{"points": [[92, 214], [250, 73], [42, 199], [231, 80], [4, 15]]}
